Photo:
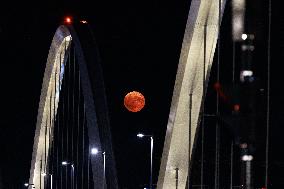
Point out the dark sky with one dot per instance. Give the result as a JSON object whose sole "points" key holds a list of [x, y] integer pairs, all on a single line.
{"points": [[139, 44]]}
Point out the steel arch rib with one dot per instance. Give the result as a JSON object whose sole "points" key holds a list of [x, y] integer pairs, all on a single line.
{"points": [[203, 14], [96, 108]]}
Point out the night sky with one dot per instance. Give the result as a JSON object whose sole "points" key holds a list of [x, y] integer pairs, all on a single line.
{"points": [[139, 44]]}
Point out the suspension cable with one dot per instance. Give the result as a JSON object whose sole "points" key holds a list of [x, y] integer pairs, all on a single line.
{"points": [[55, 118], [88, 165], [63, 115], [78, 127], [268, 96], [73, 120], [232, 142], [68, 113], [40, 172], [45, 150], [83, 141], [203, 106], [49, 155], [217, 136], [189, 138], [60, 85]]}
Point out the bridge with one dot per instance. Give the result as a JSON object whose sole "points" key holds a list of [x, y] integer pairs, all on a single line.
{"points": [[72, 143]]}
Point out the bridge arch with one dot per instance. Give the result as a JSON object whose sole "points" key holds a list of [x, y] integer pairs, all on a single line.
{"points": [[95, 107]]}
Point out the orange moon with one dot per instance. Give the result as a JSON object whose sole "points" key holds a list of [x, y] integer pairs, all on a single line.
{"points": [[134, 101]]}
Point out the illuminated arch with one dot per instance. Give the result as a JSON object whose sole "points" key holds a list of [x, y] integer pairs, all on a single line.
{"points": [[203, 14], [94, 99]]}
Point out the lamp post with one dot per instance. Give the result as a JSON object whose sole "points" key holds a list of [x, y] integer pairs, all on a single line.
{"points": [[95, 151], [28, 184], [45, 175], [140, 135], [65, 163]]}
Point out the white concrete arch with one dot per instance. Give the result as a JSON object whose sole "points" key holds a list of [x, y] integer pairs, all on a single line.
{"points": [[203, 14], [51, 83]]}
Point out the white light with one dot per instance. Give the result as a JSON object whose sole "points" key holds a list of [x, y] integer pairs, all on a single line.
{"points": [[140, 135], [43, 174], [64, 163], [68, 38], [247, 157], [244, 36], [84, 21], [26, 184], [247, 73], [94, 151]]}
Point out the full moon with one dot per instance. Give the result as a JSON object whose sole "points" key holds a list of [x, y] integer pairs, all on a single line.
{"points": [[134, 101]]}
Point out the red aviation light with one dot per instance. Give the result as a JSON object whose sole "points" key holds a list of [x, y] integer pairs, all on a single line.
{"points": [[68, 20]]}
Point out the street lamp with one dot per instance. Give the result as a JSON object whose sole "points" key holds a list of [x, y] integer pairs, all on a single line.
{"points": [[47, 174], [65, 163], [141, 135], [95, 151], [28, 184]]}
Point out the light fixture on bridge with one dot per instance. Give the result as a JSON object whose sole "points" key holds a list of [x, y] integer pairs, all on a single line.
{"points": [[65, 163], [83, 21], [68, 38], [247, 158], [246, 74], [28, 184], [244, 36], [94, 151], [140, 135]]}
